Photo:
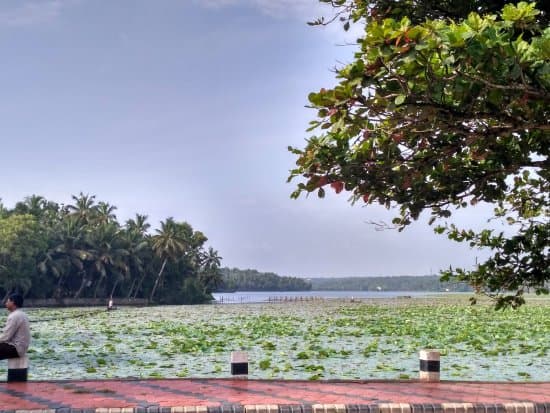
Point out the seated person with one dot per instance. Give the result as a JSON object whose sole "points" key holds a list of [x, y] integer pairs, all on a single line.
{"points": [[16, 337]]}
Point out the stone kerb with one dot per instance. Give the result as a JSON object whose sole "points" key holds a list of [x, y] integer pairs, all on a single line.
{"points": [[518, 407]]}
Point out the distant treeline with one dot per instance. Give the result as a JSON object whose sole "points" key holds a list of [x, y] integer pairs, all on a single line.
{"points": [[234, 279], [397, 283]]}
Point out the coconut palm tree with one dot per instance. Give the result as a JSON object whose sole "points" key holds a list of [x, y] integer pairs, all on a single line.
{"points": [[84, 207], [68, 254], [105, 213], [108, 254], [138, 245], [210, 275], [168, 245], [49, 266], [138, 248], [211, 258], [33, 205], [46, 212], [139, 224]]}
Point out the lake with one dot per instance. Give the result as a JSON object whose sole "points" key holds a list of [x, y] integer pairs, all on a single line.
{"points": [[240, 297], [315, 338]]}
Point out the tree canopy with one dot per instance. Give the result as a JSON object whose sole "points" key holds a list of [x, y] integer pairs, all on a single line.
{"points": [[235, 279], [81, 250], [445, 105], [390, 283]]}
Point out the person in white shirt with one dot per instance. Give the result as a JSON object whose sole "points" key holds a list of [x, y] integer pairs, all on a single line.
{"points": [[16, 336]]}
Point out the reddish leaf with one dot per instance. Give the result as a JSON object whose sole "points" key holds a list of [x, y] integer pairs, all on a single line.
{"points": [[338, 186]]}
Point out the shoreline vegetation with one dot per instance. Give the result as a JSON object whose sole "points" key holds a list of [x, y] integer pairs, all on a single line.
{"points": [[82, 251], [394, 283], [234, 279]]}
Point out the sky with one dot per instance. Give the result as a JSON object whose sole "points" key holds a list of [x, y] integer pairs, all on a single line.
{"points": [[185, 109]]}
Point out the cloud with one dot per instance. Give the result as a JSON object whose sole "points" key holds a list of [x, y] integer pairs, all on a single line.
{"points": [[29, 13]]}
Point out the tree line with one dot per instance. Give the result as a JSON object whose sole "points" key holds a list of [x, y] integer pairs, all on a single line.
{"points": [[81, 250], [397, 283], [235, 279]]}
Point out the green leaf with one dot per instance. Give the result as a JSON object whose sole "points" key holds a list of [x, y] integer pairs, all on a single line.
{"points": [[400, 99], [265, 364]]}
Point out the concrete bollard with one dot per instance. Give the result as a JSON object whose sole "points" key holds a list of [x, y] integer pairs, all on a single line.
{"points": [[429, 365], [17, 368], [239, 363]]}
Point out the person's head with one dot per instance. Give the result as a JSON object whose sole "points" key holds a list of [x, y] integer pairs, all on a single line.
{"points": [[14, 301]]}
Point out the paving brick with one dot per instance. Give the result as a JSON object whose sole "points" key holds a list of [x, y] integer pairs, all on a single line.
{"points": [[271, 396]]}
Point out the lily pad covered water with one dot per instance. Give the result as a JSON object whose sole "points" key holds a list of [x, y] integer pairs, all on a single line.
{"points": [[300, 340]]}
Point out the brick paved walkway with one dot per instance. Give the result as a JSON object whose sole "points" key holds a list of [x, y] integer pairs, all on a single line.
{"points": [[272, 396]]}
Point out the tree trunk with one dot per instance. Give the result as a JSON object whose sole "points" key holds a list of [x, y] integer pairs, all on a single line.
{"points": [[58, 289], [82, 285], [114, 288], [131, 289], [157, 280], [139, 284], [98, 285]]}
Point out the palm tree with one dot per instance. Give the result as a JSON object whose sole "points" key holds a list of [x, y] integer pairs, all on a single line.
{"points": [[137, 244], [33, 205], [211, 258], [55, 267], [209, 274], [108, 254], [68, 254], [139, 224], [168, 245], [197, 240], [84, 207], [45, 211], [104, 213], [138, 249]]}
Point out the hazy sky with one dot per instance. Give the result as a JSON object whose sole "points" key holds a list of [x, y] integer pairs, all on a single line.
{"points": [[185, 108]]}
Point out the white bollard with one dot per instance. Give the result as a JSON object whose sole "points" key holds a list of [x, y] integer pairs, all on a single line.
{"points": [[17, 368], [429, 365], [239, 363]]}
